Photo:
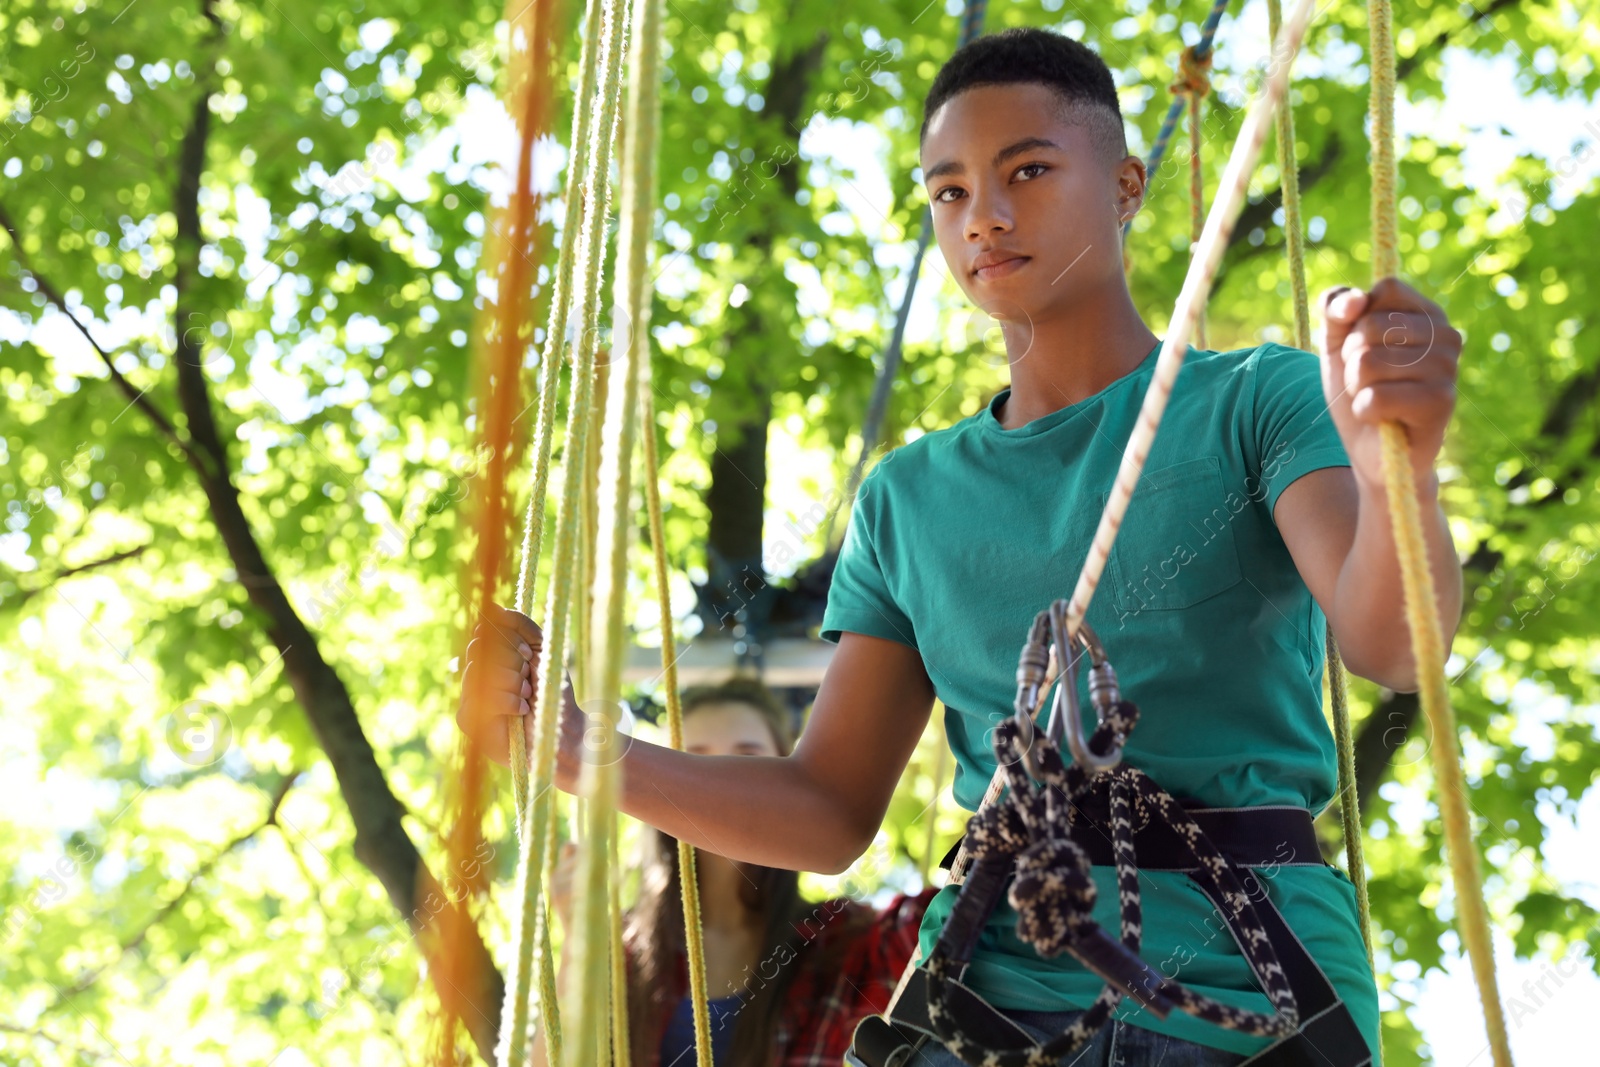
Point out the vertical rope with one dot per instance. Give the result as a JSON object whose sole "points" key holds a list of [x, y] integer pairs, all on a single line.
{"points": [[1422, 617], [554, 355], [1293, 230], [694, 940], [1349, 801], [940, 768], [972, 17], [550, 1014], [583, 602], [601, 42], [597, 942], [972, 20], [1193, 85], [1169, 123], [1197, 202], [621, 1054], [643, 169], [1338, 693]]}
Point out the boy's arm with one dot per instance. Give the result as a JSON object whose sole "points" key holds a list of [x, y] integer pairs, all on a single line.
{"points": [[817, 809], [814, 810], [1387, 355]]}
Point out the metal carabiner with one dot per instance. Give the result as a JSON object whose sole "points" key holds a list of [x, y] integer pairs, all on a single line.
{"points": [[1102, 689]]}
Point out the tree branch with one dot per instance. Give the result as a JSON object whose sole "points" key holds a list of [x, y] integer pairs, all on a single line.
{"points": [[134, 941], [382, 843], [136, 397], [1259, 214], [1414, 60], [116, 557], [77, 1051]]}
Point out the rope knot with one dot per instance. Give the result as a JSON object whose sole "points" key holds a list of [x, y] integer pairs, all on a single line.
{"points": [[998, 830], [1194, 73], [1053, 894]]}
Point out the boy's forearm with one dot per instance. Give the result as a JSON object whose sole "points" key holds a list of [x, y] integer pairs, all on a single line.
{"points": [[755, 809], [1369, 619]]}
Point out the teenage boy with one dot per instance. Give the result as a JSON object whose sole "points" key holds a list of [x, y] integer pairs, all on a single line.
{"points": [[1260, 520]]}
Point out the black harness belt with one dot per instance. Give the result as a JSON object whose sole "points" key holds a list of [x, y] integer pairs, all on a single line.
{"points": [[1255, 842]]}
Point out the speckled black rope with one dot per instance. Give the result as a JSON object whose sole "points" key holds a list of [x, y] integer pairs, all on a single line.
{"points": [[1053, 893], [1213, 870]]}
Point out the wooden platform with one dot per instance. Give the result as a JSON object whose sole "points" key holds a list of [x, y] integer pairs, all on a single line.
{"points": [[788, 661]]}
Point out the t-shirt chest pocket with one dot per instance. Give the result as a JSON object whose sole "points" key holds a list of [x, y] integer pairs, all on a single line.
{"points": [[1176, 544]]}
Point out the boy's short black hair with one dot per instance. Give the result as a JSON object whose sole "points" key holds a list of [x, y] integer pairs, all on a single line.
{"points": [[1028, 55]]}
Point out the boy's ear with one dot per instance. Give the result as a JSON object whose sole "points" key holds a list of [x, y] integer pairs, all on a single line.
{"points": [[1131, 179]]}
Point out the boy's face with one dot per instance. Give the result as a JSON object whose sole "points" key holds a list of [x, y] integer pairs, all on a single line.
{"points": [[1007, 177]]}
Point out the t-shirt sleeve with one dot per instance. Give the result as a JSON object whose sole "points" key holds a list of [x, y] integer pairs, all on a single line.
{"points": [[1294, 433], [858, 598]]}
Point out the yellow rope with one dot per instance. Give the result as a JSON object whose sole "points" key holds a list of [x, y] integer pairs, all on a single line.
{"points": [[649, 28], [534, 818], [554, 356], [621, 1055], [1294, 235], [694, 942], [550, 1014], [1427, 638], [1349, 800], [1338, 694], [583, 598], [596, 949], [939, 770], [591, 153], [694, 939]]}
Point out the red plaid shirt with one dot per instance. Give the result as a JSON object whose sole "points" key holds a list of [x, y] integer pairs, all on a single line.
{"points": [[821, 1011], [821, 1008]]}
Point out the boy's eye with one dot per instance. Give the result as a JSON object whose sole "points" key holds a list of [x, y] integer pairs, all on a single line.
{"points": [[939, 197]]}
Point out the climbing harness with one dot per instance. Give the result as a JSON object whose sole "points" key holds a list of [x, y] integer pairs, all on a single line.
{"points": [[1086, 809]]}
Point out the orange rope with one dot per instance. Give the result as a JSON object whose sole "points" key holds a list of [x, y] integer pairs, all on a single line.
{"points": [[462, 981]]}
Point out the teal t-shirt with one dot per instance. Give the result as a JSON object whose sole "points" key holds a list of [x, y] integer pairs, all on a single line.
{"points": [[957, 539]]}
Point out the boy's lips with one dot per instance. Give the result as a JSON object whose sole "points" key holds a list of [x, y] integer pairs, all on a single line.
{"points": [[1001, 268]]}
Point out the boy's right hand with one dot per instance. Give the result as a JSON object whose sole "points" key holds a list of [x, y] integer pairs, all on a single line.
{"points": [[499, 688]]}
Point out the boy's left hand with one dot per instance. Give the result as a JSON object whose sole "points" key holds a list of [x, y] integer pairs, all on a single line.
{"points": [[1388, 355]]}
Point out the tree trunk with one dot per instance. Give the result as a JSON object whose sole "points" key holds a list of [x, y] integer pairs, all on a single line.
{"points": [[1385, 731], [737, 498], [736, 592], [381, 843]]}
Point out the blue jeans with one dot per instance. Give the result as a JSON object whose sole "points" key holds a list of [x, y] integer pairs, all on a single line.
{"points": [[1116, 1044]]}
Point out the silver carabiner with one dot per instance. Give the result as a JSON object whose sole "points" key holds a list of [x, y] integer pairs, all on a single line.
{"points": [[1103, 692]]}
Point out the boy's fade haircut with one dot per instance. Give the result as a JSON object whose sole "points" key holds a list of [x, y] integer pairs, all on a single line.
{"points": [[1027, 55]]}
